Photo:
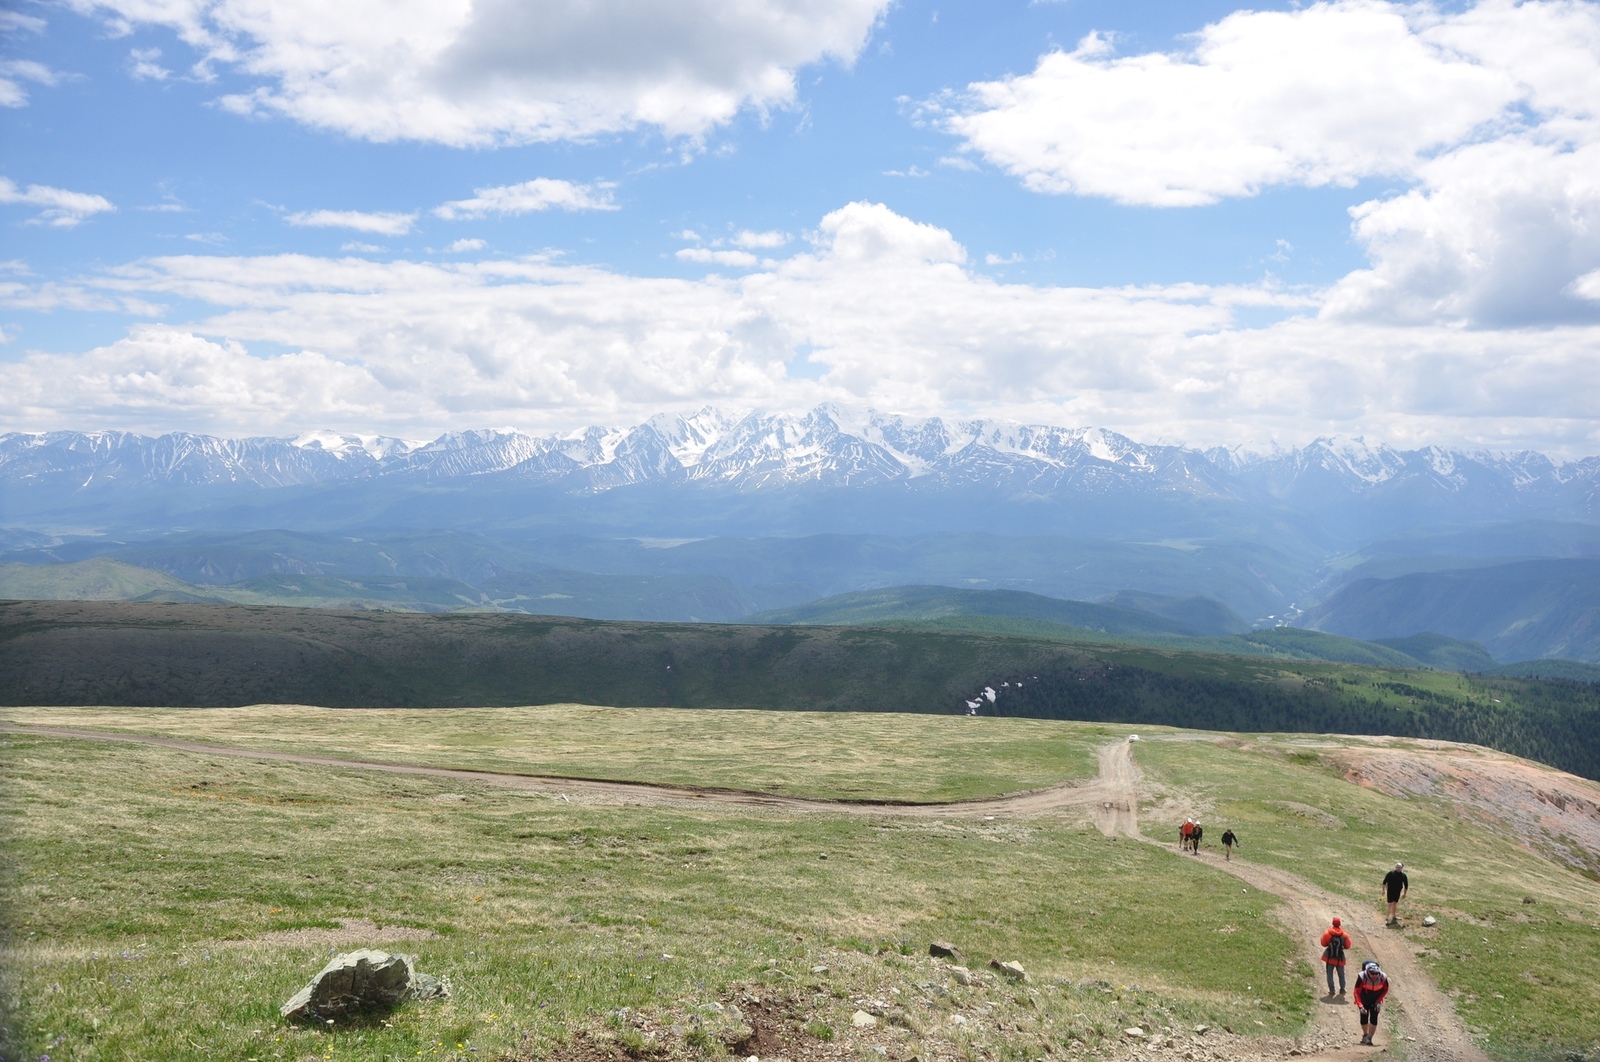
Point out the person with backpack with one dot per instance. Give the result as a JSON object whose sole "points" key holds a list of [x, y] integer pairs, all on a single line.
{"points": [[1229, 839], [1335, 942], [1395, 885], [1372, 985]]}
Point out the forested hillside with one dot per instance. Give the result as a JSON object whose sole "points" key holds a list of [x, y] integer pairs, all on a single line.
{"points": [[119, 653]]}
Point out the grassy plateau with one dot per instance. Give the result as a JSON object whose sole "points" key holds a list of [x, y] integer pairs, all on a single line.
{"points": [[160, 903]]}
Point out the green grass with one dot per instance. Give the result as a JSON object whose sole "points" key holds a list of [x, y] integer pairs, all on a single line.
{"points": [[833, 755], [1521, 972], [143, 883]]}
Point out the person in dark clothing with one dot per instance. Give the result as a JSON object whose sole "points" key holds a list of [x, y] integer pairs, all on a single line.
{"points": [[1229, 839], [1335, 942], [1371, 988], [1395, 885]]}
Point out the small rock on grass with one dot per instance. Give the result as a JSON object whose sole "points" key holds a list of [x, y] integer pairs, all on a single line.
{"points": [[861, 1019], [1430, 921], [943, 949], [1011, 969], [1134, 1033], [962, 975], [362, 982]]}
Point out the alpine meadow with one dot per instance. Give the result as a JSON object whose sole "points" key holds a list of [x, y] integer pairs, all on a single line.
{"points": [[800, 531]]}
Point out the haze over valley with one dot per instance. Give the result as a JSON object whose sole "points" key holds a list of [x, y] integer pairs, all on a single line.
{"points": [[721, 517]]}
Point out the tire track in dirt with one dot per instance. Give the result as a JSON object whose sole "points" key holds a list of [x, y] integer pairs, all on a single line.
{"points": [[1415, 1004]]}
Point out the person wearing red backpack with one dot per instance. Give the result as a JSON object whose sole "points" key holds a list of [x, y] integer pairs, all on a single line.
{"points": [[1371, 987], [1335, 942]]}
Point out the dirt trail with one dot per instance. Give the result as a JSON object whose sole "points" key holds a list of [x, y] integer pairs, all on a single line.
{"points": [[1051, 798], [1415, 1005], [1119, 779], [1416, 1008]]}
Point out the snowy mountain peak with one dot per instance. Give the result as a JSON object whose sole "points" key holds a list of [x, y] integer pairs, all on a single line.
{"points": [[829, 446], [374, 446]]}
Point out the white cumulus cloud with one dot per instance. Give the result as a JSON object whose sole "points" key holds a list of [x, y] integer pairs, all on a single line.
{"points": [[1487, 117], [384, 224], [467, 245], [542, 193], [1328, 94], [58, 206], [509, 71], [1496, 235], [890, 312], [160, 375]]}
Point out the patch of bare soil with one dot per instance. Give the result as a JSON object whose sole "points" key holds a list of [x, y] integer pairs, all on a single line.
{"points": [[362, 931], [1552, 813], [746, 1023], [585, 1046]]}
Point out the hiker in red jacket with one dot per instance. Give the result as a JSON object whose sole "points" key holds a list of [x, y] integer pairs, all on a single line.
{"points": [[1335, 942], [1371, 986]]}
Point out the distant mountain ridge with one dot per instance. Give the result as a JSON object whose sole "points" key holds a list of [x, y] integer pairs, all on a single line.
{"points": [[911, 604], [828, 445], [1519, 611]]}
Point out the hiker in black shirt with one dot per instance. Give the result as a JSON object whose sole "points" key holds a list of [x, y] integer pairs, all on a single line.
{"points": [[1229, 839], [1395, 885]]}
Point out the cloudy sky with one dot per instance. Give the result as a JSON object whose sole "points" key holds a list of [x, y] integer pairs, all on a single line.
{"points": [[1189, 222]]}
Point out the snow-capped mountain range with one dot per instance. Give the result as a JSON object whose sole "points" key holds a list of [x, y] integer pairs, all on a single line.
{"points": [[826, 447], [743, 450]]}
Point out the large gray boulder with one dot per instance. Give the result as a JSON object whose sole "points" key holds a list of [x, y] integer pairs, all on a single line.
{"points": [[360, 983]]}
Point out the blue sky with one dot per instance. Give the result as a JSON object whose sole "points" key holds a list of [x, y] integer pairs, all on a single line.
{"points": [[1191, 222]]}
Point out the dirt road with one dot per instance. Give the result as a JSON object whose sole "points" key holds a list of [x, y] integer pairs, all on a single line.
{"points": [[1416, 1008], [1036, 801]]}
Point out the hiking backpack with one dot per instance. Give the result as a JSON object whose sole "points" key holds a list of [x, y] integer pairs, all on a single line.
{"points": [[1334, 950]]}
